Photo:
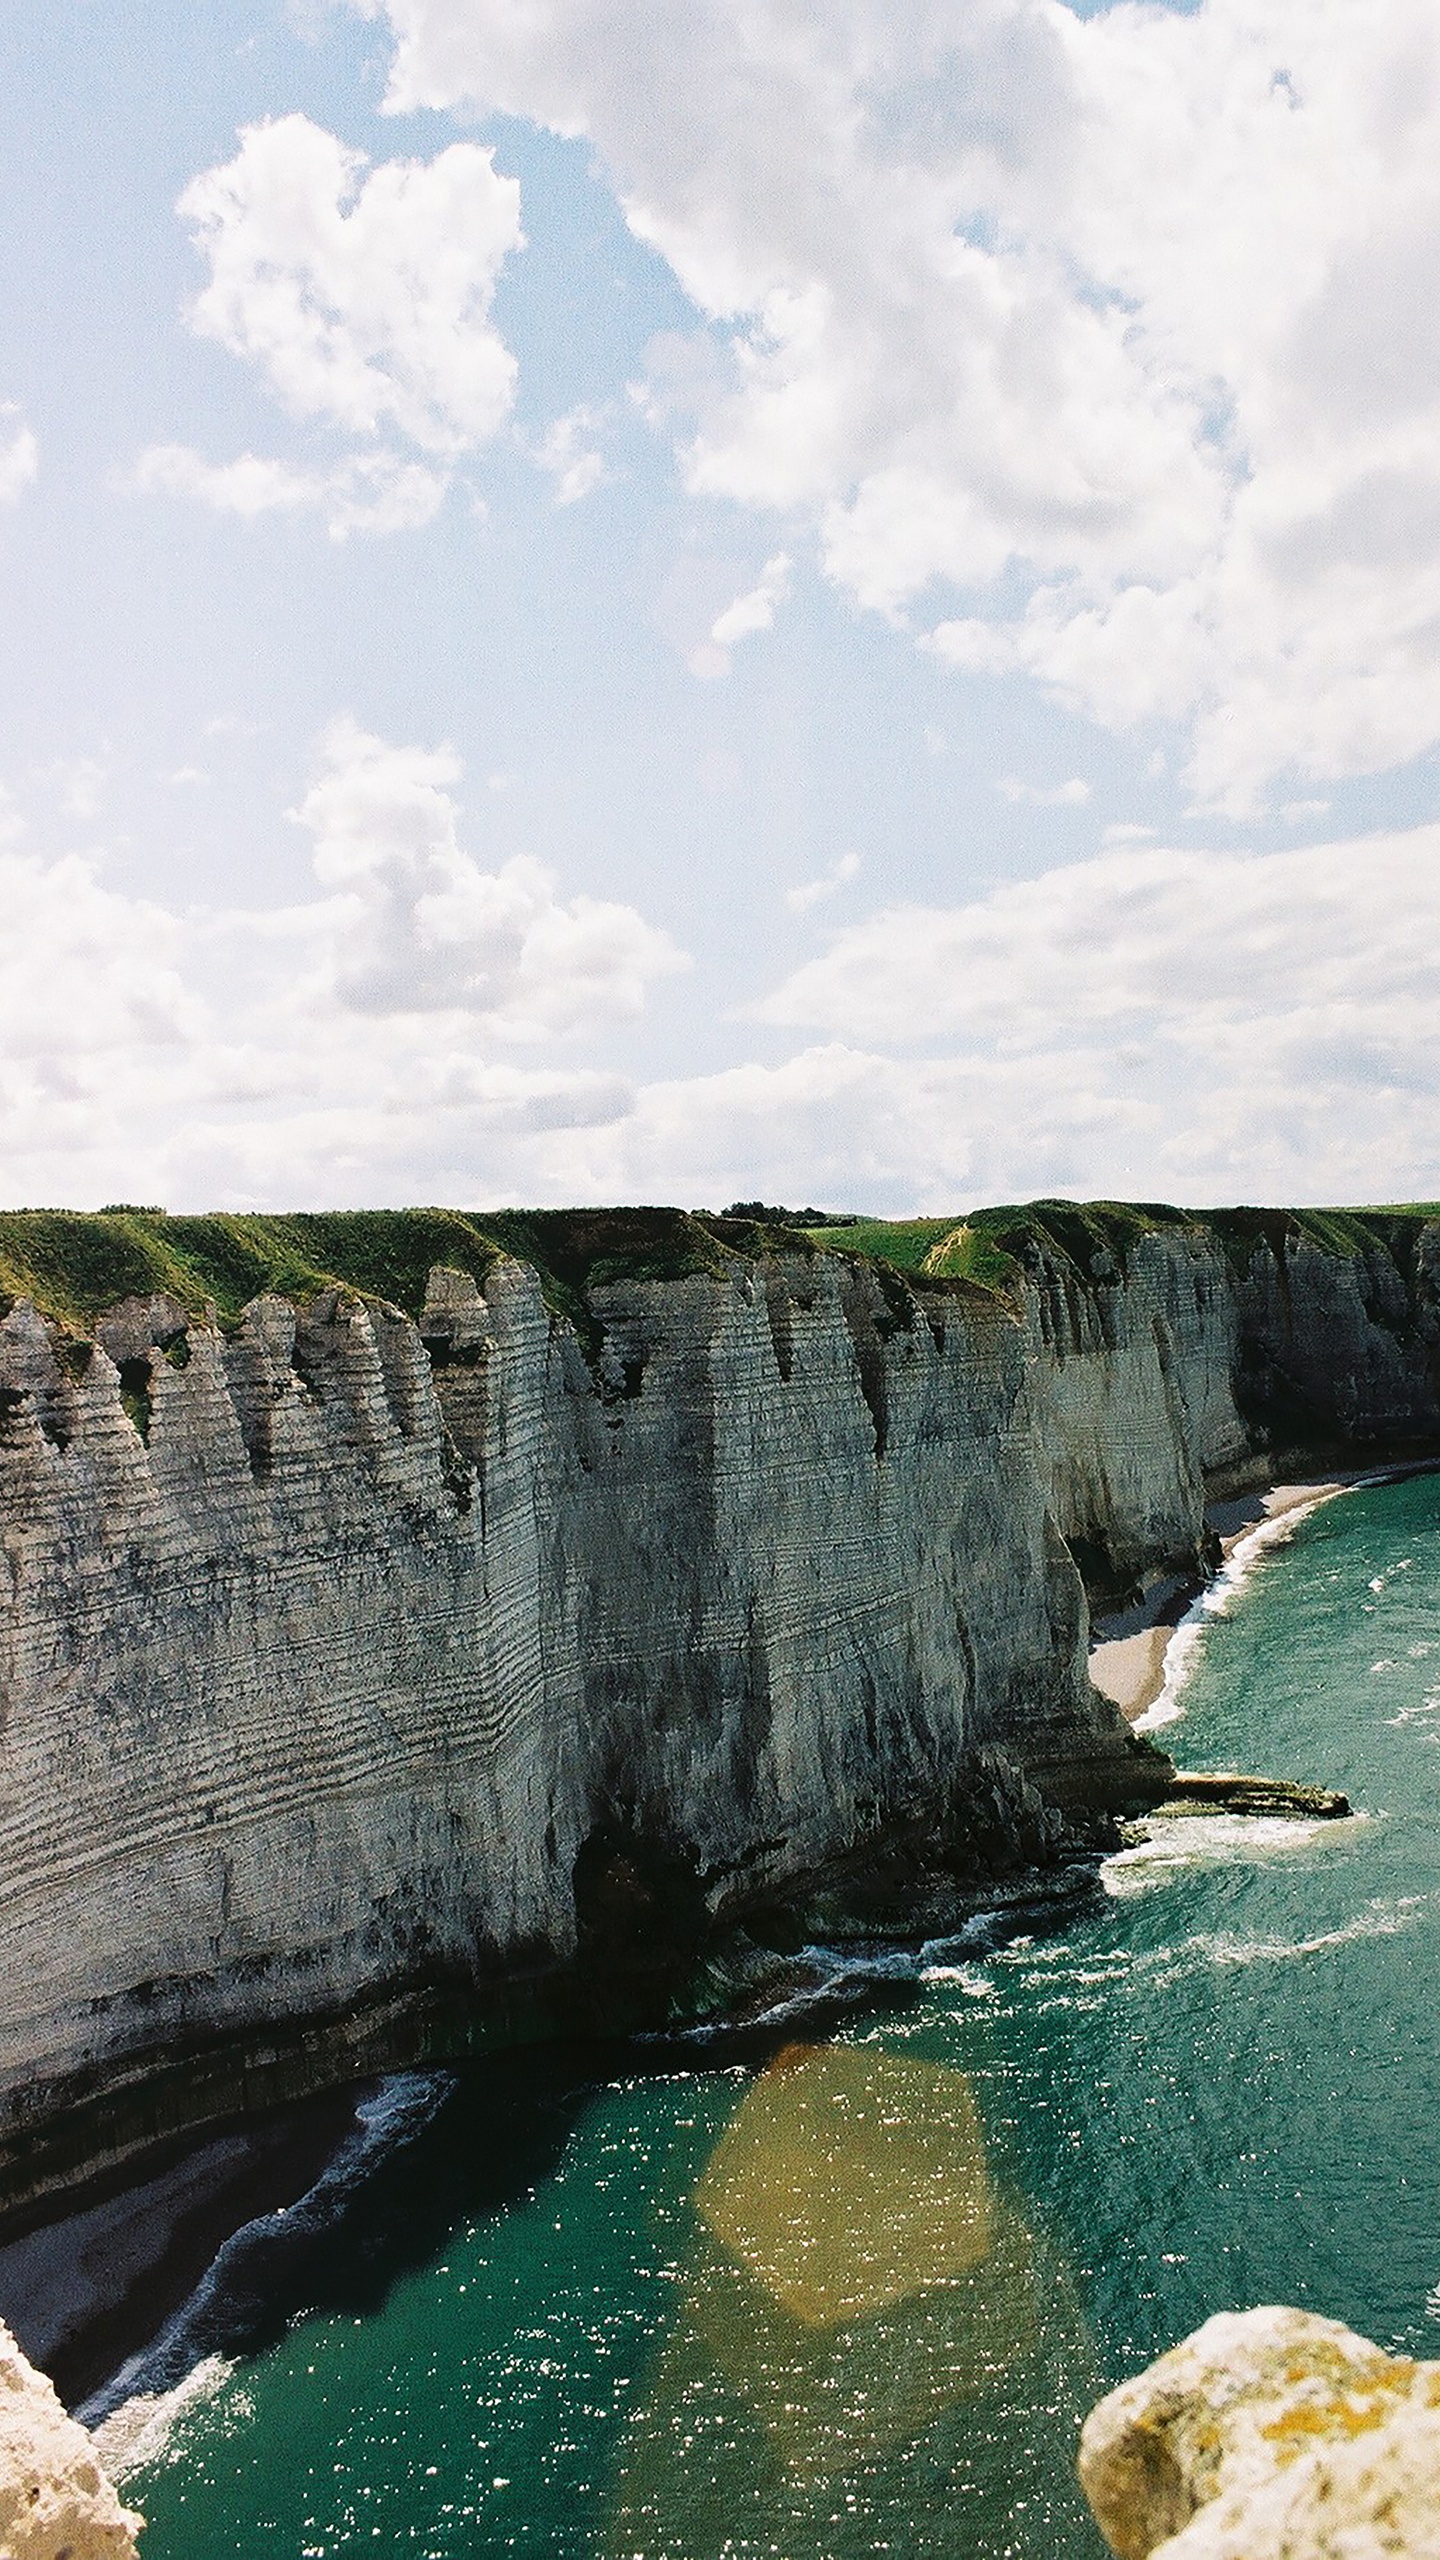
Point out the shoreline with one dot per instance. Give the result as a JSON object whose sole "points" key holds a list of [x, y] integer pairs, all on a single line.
{"points": [[91, 2274], [96, 2277], [1134, 1668]]}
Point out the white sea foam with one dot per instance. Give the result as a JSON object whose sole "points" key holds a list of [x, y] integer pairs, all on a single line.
{"points": [[832, 1973], [1403, 1565], [1229, 1950], [1175, 1842], [1423, 1717], [1059, 1951], [979, 1937], [143, 2429], [1378, 1920], [160, 2376], [969, 1978], [1219, 1597]]}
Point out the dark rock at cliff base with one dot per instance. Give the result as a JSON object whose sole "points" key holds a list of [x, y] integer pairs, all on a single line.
{"points": [[991, 1841], [641, 1926], [1225, 1791]]}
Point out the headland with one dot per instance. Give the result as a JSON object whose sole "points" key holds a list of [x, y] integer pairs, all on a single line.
{"points": [[425, 1629]]}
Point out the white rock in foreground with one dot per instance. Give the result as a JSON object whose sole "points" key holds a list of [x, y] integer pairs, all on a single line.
{"points": [[55, 2501], [1269, 2435]]}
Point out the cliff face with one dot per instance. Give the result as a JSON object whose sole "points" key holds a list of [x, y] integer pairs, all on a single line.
{"points": [[350, 1662], [1131, 1398], [1344, 1343], [1209, 1354], [325, 1686]]}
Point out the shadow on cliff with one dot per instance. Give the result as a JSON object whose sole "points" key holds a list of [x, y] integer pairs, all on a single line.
{"points": [[323, 2208]]}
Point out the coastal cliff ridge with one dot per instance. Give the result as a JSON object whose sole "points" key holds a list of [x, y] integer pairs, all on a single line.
{"points": [[423, 1627]]}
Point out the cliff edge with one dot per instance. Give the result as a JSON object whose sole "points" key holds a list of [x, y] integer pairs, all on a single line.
{"points": [[1269, 2435], [55, 2501]]}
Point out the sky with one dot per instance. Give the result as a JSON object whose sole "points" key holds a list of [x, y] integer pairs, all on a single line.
{"points": [[831, 600]]}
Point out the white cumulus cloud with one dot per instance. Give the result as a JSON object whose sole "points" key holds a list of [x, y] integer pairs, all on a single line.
{"points": [[573, 461], [84, 970], [852, 1127], [366, 493], [1191, 944], [751, 612], [1040, 795], [809, 893], [1128, 310], [1150, 1024], [358, 1043], [418, 926], [365, 298], [19, 454]]}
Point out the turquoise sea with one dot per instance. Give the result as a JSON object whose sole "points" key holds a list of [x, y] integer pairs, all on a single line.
{"points": [[849, 2289]]}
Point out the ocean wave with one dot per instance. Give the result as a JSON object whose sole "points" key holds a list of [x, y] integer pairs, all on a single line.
{"points": [[1425, 1712], [969, 1978], [1177, 1842], [1228, 1950], [160, 2374], [1083, 1977], [142, 2430], [1379, 1919], [848, 1973], [1220, 1596]]}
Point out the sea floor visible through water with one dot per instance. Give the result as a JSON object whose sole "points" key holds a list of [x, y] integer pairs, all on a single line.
{"points": [[841, 2289]]}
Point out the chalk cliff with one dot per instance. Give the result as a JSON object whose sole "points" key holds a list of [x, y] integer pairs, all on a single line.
{"points": [[355, 1663], [1172, 1364]]}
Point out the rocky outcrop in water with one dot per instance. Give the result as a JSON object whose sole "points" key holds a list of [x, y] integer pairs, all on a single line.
{"points": [[369, 1684], [55, 2501], [1228, 1791], [1269, 2435]]}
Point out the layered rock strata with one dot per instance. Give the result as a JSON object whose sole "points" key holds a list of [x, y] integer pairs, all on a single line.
{"points": [[353, 1667], [1206, 1357]]}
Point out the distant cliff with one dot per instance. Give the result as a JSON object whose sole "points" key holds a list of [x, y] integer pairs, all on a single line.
{"points": [[417, 1627], [1174, 1358]]}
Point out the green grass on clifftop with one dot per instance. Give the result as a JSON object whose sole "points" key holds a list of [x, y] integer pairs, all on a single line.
{"points": [[992, 1247], [75, 1264], [903, 1242]]}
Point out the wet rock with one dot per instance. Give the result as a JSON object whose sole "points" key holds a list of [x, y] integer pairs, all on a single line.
{"points": [[1227, 1791], [1269, 2435]]}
